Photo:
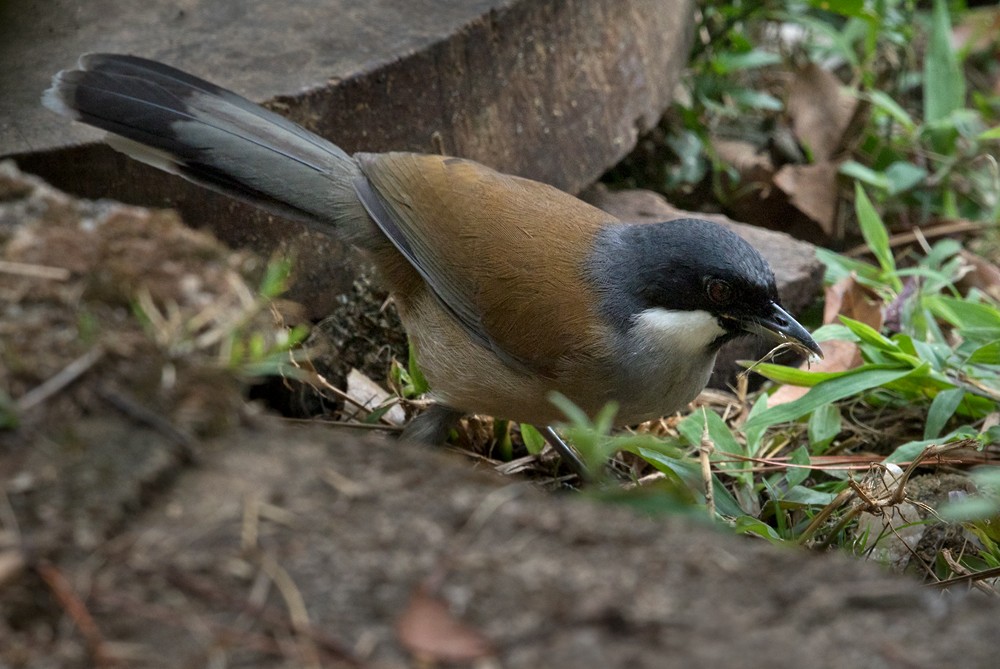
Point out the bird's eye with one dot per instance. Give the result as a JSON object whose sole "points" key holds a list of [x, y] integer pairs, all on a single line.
{"points": [[719, 291]]}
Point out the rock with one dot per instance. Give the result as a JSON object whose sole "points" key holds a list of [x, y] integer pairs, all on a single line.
{"points": [[555, 91], [321, 540], [796, 269]]}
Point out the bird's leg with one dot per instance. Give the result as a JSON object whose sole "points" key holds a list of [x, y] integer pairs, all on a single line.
{"points": [[567, 454], [432, 426]]}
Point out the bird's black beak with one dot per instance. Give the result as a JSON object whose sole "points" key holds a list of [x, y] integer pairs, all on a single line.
{"points": [[776, 324]]}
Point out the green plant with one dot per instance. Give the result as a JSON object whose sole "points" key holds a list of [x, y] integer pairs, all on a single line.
{"points": [[922, 139], [937, 162], [408, 381], [945, 355], [235, 331]]}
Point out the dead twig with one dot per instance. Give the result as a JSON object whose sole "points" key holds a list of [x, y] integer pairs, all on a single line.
{"points": [[135, 410], [930, 232], [705, 449], [164, 615], [993, 572], [76, 610], [33, 271], [960, 569], [870, 502], [60, 380], [296, 605], [206, 589]]}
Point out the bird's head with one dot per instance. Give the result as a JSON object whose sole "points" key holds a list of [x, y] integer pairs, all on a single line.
{"points": [[690, 279]]}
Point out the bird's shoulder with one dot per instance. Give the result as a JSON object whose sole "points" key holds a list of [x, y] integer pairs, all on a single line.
{"points": [[508, 251]]}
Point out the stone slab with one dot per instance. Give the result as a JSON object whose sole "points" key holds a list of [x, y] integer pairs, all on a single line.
{"points": [[556, 91]]}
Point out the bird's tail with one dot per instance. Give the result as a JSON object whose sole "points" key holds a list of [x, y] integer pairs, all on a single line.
{"points": [[213, 137]]}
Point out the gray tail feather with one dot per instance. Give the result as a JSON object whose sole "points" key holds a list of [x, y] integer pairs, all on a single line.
{"points": [[211, 136]]}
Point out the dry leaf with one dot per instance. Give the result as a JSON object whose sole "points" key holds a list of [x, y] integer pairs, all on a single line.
{"points": [[982, 274], [977, 29], [812, 189], [429, 631], [752, 165], [849, 298], [370, 395], [819, 110]]}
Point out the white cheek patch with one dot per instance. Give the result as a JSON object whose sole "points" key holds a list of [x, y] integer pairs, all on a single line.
{"points": [[678, 331]]}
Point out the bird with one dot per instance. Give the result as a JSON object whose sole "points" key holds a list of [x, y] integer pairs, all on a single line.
{"points": [[509, 289]]}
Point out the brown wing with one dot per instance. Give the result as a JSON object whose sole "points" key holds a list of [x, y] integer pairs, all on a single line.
{"points": [[496, 250]]}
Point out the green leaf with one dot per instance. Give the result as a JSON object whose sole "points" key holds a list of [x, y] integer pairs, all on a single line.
{"points": [[944, 81], [693, 427], [753, 436], [869, 335], [978, 334], [533, 439], [756, 527], [796, 475], [833, 332], [8, 412], [833, 390], [824, 426], [964, 314], [986, 135], [988, 354], [969, 509], [575, 414], [904, 175], [808, 496], [277, 274], [886, 104], [690, 472], [875, 235], [375, 415], [418, 381], [797, 377], [727, 61], [864, 174], [843, 7], [756, 99], [942, 409], [839, 266], [911, 449]]}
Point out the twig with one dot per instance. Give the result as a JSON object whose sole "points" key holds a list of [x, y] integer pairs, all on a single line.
{"points": [[957, 567], [839, 463], [705, 449], [228, 635], [345, 423], [76, 610], [869, 503], [60, 380], [208, 590], [314, 379], [909, 237], [993, 572], [132, 408], [296, 605], [35, 271]]}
